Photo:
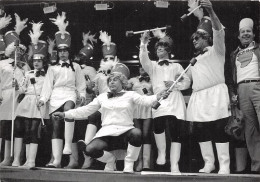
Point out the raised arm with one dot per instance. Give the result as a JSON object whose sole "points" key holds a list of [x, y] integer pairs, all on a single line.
{"points": [[143, 54]]}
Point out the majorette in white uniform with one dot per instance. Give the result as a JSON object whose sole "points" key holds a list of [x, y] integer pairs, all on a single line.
{"points": [[209, 83]]}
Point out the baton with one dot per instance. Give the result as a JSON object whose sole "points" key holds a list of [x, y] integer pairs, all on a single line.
{"points": [[32, 80], [185, 16], [131, 33], [192, 63]]}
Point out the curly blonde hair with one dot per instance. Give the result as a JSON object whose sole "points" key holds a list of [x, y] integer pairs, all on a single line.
{"points": [[120, 76]]}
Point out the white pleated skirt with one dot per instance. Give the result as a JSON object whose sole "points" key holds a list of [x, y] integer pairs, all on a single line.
{"points": [[142, 112], [61, 95], [209, 104], [27, 108], [7, 103]]}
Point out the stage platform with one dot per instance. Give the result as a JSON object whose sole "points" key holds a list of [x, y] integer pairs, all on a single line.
{"points": [[10, 174]]}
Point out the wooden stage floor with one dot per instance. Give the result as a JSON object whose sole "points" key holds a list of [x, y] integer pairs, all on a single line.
{"points": [[14, 174]]}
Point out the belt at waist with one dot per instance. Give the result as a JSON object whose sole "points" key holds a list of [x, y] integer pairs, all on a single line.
{"points": [[248, 81]]}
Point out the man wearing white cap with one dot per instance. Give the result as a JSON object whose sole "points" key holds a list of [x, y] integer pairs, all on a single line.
{"points": [[245, 69]]}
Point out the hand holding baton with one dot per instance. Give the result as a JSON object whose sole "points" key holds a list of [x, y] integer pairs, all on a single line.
{"points": [[32, 80], [192, 63], [131, 33], [185, 16]]}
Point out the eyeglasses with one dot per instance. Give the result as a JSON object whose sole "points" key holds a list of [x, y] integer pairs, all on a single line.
{"points": [[196, 38]]}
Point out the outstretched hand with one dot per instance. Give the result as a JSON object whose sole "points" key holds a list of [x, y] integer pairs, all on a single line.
{"points": [[58, 115]]}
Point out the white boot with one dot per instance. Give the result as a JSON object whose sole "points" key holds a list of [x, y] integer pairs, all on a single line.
{"points": [[160, 141], [146, 156], [223, 158], [74, 157], [131, 156], [57, 145], [7, 158], [68, 136], [208, 157], [90, 133], [32, 155], [175, 157], [27, 150], [109, 159], [18, 143], [241, 159]]}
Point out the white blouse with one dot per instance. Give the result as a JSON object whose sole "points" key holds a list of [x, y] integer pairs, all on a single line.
{"points": [[63, 78], [115, 111]]}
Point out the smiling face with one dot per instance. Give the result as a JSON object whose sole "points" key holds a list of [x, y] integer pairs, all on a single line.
{"points": [[161, 52], [199, 43], [246, 36]]}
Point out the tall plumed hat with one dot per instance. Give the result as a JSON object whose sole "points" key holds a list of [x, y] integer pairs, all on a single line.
{"points": [[62, 37], [108, 47], [12, 36], [4, 21], [205, 25], [122, 68], [39, 47], [164, 39], [88, 43]]}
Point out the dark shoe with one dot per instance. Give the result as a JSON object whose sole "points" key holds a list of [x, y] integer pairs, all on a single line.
{"points": [[82, 146], [146, 169]]}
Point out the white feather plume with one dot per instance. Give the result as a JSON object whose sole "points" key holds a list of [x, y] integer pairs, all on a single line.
{"points": [[198, 12], [4, 21], [51, 45], [36, 32], [88, 36], [107, 65], [60, 22], [105, 38], [159, 34], [20, 24]]}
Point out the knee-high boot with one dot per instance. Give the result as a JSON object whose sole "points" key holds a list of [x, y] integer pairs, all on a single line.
{"points": [[208, 157], [109, 159], [175, 157], [68, 136], [57, 145], [131, 156], [7, 158], [18, 143], [223, 158], [160, 141], [32, 155]]}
